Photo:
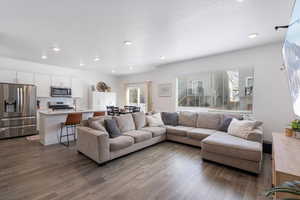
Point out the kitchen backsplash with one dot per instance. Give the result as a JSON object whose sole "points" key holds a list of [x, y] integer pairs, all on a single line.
{"points": [[69, 101]]}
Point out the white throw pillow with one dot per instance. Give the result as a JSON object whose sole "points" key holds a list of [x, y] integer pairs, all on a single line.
{"points": [[241, 128], [154, 120]]}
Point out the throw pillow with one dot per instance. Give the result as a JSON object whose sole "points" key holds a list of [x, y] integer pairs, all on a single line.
{"points": [[170, 118], [98, 122], [241, 128], [112, 128], [226, 122], [258, 124], [97, 125], [154, 120], [139, 120]]}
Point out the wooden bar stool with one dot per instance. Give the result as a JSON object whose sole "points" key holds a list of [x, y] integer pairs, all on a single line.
{"points": [[96, 114], [72, 120]]}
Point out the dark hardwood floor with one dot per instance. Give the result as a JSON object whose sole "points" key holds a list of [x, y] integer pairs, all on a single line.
{"points": [[29, 171]]}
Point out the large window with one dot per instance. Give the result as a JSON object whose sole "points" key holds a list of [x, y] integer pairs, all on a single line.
{"points": [[220, 90]]}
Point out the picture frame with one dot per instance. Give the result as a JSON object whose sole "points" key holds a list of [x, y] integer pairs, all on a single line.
{"points": [[165, 90]]}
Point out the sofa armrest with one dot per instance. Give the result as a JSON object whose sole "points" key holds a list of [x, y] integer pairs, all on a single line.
{"points": [[93, 143], [256, 135]]}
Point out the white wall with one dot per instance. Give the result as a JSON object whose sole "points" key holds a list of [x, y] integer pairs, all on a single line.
{"points": [[272, 102], [89, 77]]}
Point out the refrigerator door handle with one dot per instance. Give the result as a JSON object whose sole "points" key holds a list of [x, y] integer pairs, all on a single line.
{"points": [[20, 97], [21, 100], [5, 105], [18, 100]]}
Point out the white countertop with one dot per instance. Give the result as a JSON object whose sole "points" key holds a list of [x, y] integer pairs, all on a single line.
{"points": [[63, 112]]}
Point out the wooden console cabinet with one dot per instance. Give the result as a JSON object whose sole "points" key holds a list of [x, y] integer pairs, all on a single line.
{"points": [[285, 161]]}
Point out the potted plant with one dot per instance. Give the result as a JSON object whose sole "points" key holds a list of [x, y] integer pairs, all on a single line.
{"points": [[295, 125], [290, 187]]}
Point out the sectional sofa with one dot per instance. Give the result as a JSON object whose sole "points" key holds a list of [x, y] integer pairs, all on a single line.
{"points": [[194, 128]]}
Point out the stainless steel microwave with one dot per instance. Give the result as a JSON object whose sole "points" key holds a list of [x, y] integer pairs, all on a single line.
{"points": [[61, 92]]}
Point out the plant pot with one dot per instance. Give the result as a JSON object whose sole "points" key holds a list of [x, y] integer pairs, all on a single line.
{"points": [[289, 132]]}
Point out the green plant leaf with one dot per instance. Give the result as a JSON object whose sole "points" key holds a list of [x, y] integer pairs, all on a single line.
{"points": [[290, 199], [291, 187]]}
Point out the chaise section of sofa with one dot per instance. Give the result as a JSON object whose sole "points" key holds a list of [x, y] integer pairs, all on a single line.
{"points": [[202, 129], [233, 151]]}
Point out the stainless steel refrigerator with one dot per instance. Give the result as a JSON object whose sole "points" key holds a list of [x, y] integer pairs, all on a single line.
{"points": [[17, 110]]}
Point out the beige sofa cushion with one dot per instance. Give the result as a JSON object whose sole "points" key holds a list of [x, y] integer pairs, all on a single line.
{"points": [[120, 142], [156, 131], [139, 120], [200, 133], [225, 144], [178, 130], [208, 120], [125, 123], [187, 118], [138, 135]]}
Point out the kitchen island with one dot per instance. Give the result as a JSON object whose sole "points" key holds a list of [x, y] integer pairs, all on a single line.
{"points": [[50, 123]]}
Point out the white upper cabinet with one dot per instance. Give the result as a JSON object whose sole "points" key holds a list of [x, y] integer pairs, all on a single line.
{"points": [[8, 76], [61, 81], [77, 88], [43, 83], [25, 78]]}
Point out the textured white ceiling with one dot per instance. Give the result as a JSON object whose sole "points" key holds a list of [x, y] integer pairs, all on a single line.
{"points": [[176, 29]]}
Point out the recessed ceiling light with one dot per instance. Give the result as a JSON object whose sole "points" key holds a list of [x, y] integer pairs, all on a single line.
{"points": [[113, 71], [240, 1], [162, 57], [81, 64], [44, 57], [253, 35], [96, 59], [55, 49], [127, 43], [131, 68]]}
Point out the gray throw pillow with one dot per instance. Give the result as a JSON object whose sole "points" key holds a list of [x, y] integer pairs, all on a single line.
{"points": [[170, 118], [226, 122], [112, 128]]}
